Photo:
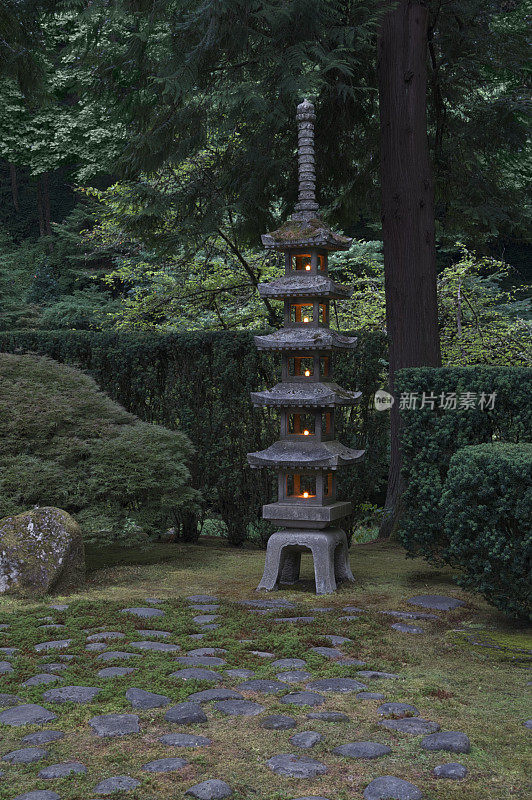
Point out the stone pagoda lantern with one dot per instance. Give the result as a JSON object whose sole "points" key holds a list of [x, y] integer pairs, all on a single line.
{"points": [[307, 455]]}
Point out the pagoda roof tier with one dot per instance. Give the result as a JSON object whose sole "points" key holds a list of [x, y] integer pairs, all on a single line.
{"points": [[306, 394], [290, 454], [307, 337], [304, 285], [302, 231]]}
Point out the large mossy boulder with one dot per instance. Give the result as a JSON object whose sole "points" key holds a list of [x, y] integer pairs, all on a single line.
{"points": [[40, 551]]}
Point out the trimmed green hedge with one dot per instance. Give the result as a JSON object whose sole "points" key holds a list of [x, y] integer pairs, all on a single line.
{"points": [[200, 382], [430, 437], [487, 508]]}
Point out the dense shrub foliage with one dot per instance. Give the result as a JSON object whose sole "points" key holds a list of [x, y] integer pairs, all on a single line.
{"points": [[431, 436], [201, 383], [487, 508], [64, 443]]}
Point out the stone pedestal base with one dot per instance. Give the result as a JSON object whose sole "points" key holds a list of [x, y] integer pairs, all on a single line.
{"points": [[329, 551]]}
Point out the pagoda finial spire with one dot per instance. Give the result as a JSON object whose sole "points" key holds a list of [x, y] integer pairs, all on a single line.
{"points": [[306, 207]]}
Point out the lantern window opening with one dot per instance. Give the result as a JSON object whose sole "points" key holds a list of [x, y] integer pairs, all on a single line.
{"points": [[300, 486], [302, 262], [301, 424], [301, 366], [301, 313]]}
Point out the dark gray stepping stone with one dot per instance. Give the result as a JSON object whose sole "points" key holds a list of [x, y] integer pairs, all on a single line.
{"points": [[197, 674], [390, 788], [53, 667], [115, 724], [65, 658], [306, 739], [117, 655], [139, 698], [156, 634], [348, 618], [197, 635], [71, 694], [165, 765], [294, 620], [40, 794], [328, 716], [293, 676], [185, 740], [210, 626], [328, 652], [157, 647], [154, 600], [49, 625], [10, 700], [206, 608], [370, 696], [322, 609], [202, 598], [278, 603], [528, 723], [362, 750], [409, 614], [278, 722], [206, 651], [185, 714], [115, 672], [5, 667], [296, 766], [204, 619], [397, 710], [121, 783], [59, 606], [403, 628], [41, 680], [63, 770], [213, 789], [262, 686], [451, 741], [437, 602], [351, 662], [303, 699], [144, 613], [9, 651], [353, 609], [340, 685], [239, 708], [240, 673], [208, 695], [262, 654], [43, 737], [56, 644], [336, 640], [105, 636], [289, 663], [374, 674], [412, 725], [26, 714], [27, 755], [96, 647], [4, 626], [454, 772], [201, 661]]}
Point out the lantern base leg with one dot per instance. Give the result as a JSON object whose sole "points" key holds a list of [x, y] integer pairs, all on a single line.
{"points": [[329, 552]]}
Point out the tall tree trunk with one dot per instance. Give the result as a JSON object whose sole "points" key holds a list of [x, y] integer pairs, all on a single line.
{"points": [[43, 205], [407, 212], [14, 186]]}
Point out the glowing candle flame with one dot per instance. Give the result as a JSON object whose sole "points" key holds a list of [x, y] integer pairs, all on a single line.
{"points": [[305, 319], [307, 373], [306, 433], [308, 267], [305, 494]]}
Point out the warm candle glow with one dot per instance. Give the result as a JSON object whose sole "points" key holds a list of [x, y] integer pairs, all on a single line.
{"points": [[307, 373], [305, 494], [306, 433], [305, 319], [308, 267]]}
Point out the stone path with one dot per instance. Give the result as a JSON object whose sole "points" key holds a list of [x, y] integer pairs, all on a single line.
{"points": [[182, 705]]}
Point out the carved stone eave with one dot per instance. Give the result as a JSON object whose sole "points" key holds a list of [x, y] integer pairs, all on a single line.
{"points": [[305, 233], [305, 338], [303, 285], [306, 395], [289, 454]]}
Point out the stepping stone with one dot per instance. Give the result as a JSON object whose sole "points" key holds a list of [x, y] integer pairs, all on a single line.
{"points": [[370, 696], [213, 789], [57, 644], [9, 651], [296, 767], [437, 602], [165, 765], [202, 598], [185, 714], [66, 658], [412, 725], [197, 635], [262, 654], [240, 674], [197, 674], [306, 739], [289, 663], [122, 783], [59, 606], [328, 716], [206, 651], [239, 708], [328, 652], [336, 640], [142, 699], [144, 613], [453, 771], [54, 667], [208, 695], [322, 609], [409, 614], [5, 667], [340, 685], [27, 755], [362, 750], [207, 609], [154, 600], [262, 686], [95, 647], [105, 636], [43, 737], [158, 647], [9, 700], [351, 662], [40, 794], [390, 788], [528, 723], [294, 620], [4, 626], [278, 603], [348, 618], [26, 714], [374, 674], [71, 694], [115, 724], [115, 672], [294, 676], [49, 625], [116, 655], [303, 699], [63, 770], [397, 710], [185, 740], [204, 619], [353, 610], [278, 722], [201, 661], [156, 634], [451, 741], [403, 628]]}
